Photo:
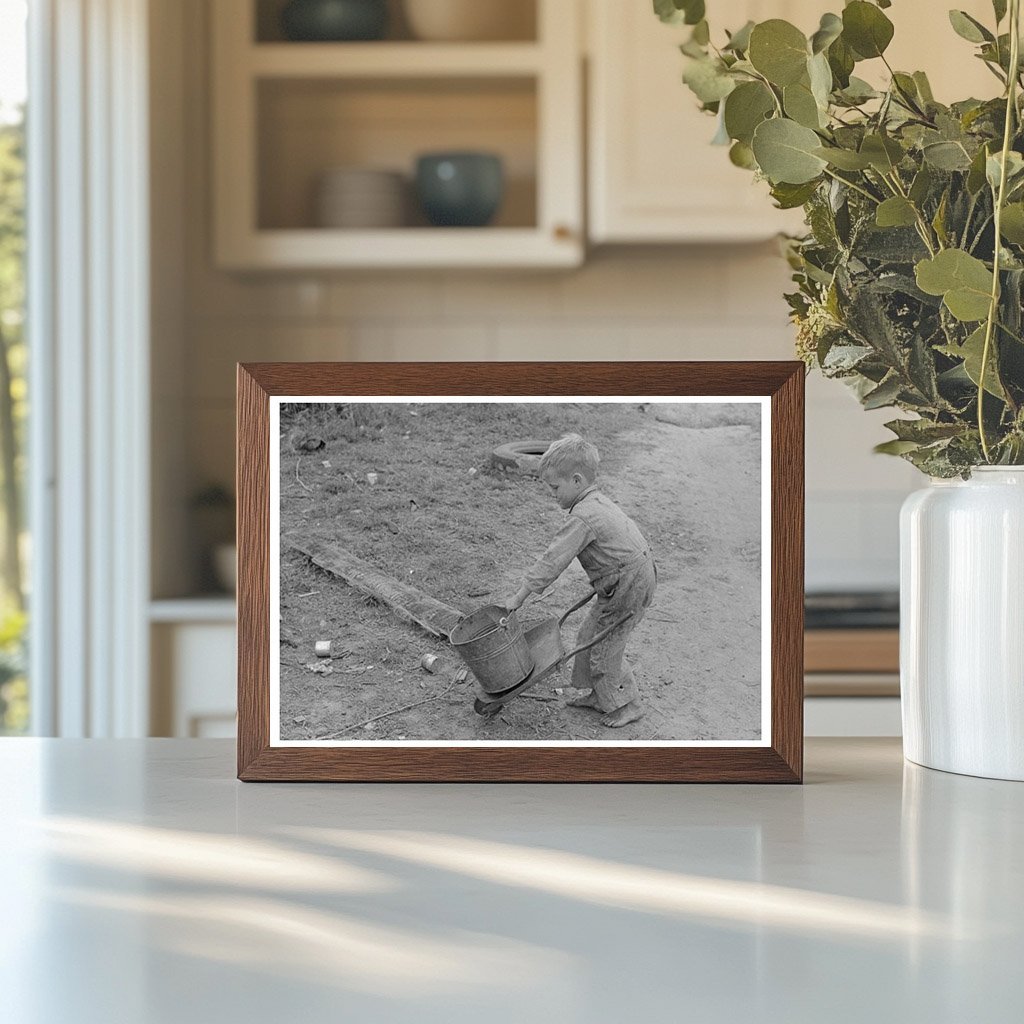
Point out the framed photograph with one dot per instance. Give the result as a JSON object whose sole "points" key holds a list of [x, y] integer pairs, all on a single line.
{"points": [[520, 572]]}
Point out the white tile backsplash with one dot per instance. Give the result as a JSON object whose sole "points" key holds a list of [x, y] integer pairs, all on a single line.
{"points": [[718, 302]]}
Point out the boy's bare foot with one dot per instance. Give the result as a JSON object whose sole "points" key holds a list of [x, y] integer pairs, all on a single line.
{"points": [[587, 700], [631, 712]]}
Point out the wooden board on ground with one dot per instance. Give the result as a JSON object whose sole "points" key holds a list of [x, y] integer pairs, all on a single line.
{"points": [[408, 603]]}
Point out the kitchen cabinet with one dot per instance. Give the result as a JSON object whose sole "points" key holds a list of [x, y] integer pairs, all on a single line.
{"points": [[192, 649], [286, 113], [653, 175]]}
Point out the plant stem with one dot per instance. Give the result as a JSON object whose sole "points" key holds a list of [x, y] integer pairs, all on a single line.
{"points": [[970, 217], [1012, 334], [993, 309], [908, 101], [977, 238], [768, 85], [850, 184], [922, 225]]}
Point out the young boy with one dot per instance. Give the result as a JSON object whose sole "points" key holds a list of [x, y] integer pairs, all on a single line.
{"points": [[614, 554]]}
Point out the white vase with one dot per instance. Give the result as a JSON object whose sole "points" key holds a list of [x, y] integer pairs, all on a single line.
{"points": [[962, 624]]}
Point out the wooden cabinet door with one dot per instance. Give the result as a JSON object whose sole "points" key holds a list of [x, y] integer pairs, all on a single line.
{"points": [[653, 174]]}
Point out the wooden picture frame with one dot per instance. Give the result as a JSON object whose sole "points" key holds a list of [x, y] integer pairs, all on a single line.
{"points": [[774, 755]]}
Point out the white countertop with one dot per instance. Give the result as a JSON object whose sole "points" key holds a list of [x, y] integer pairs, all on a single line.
{"points": [[142, 884]]}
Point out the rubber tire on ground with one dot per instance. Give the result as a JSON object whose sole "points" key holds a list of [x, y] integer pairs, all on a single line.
{"points": [[524, 456]]}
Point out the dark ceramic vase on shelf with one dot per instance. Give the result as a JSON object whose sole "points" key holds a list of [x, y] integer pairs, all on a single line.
{"points": [[460, 189], [331, 21]]}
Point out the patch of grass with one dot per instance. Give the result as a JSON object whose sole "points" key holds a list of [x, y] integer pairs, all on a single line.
{"points": [[429, 520]]}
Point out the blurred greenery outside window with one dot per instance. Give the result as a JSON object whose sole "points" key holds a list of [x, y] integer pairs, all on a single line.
{"points": [[14, 702]]}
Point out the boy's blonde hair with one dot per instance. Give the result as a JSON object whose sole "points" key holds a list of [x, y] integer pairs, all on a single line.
{"points": [[571, 454]]}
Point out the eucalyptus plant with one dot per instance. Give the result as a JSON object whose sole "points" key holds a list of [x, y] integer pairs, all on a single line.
{"points": [[910, 278]]}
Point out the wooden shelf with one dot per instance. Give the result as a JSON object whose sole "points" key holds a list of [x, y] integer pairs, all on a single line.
{"points": [[187, 610], [393, 60], [852, 650], [401, 247], [851, 684]]}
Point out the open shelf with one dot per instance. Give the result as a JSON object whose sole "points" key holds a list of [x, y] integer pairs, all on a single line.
{"points": [[288, 113], [306, 128], [519, 18]]}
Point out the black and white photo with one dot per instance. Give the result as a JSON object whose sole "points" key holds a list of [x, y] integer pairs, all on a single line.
{"points": [[464, 571]]}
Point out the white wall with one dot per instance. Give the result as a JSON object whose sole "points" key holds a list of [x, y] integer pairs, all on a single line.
{"points": [[720, 302]]}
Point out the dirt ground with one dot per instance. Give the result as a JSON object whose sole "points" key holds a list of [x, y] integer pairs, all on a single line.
{"points": [[440, 516]]}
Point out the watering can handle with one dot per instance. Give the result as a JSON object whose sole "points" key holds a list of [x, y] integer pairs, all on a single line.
{"points": [[594, 639], [576, 607]]}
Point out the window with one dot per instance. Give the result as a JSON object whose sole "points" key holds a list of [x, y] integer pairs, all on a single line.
{"points": [[14, 704]]}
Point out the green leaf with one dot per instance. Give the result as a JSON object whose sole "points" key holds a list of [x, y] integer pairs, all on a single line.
{"points": [[939, 220], [906, 89], [785, 152], [1014, 169], [963, 281], [707, 80], [997, 53], [800, 105], [789, 197], [695, 11], [921, 186], [841, 60], [896, 212], [947, 156], [924, 88], [883, 153], [895, 447], [968, 28], [830, 29], [885, 394], [1012, 223], [976, 175], [923, 431], [866, 29], [741, 155], [668, 11], [971, 352], [844, 159], [858, 91], [820, 76], [778, 50], [745, 108], [739, 41], [675, 12]]}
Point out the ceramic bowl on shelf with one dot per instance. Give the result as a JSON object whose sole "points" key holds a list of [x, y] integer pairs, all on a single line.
{"points": [[361, 198], [470, 20], [460, 189], [334, 21]]}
